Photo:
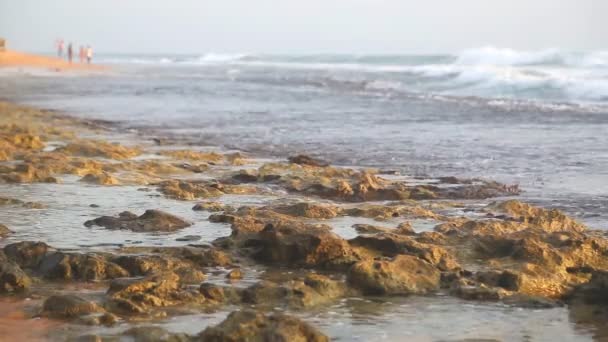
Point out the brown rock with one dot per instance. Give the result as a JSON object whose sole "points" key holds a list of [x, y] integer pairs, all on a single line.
{"points": [[388, 244], [156, 290], [305, 247], [26, 254], [193, 155], [370, 229], [74, 266], [402, 275], [234, 274], [103, 178], [306, 160], [548, 220], [310, 291], [153, 333], [4, 231], [212, 207], [150, 221], [92, 148], [12, 278], [68, 306], [309, 210], [247, 325]]}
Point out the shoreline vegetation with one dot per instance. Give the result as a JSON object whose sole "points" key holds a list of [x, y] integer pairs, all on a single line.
{"points": [[503, 251], [16, 59]]}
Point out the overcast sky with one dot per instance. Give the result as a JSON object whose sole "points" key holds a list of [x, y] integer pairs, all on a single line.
{"points": [[305, 26]]}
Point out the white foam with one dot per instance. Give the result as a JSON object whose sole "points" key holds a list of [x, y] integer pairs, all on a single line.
{"points": [[490, 55]]}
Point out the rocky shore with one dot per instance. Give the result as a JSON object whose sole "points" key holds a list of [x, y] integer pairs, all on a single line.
{"points": [[484, 244]]}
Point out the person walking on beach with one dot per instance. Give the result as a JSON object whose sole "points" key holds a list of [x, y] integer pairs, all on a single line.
{"points": [[81, 54], [59, 48], [89, 54], [70, 53]]}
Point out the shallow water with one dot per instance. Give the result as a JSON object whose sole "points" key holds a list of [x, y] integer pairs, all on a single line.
{"points": [[434, 318], [555, 151]]}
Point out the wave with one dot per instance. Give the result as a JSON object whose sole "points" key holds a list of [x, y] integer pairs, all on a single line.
{"points": [[491, 72], [221, 58], [484, 56], [490, 55]]}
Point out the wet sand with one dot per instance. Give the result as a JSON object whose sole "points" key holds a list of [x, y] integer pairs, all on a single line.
{"points": [[15, 59], [17, 324]]}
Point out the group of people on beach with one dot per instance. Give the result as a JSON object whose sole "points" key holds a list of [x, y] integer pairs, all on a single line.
{"points": [[84, 53]]}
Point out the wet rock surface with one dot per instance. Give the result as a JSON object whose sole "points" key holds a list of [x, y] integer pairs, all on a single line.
{"points": [[4, 231], [307, 237], [249, 325], [150, 221], [68, 306], [402, 275], [12, 277]]}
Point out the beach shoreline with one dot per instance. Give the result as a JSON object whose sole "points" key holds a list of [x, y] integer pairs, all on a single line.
{"points": [[15, 59], [233, 230]]}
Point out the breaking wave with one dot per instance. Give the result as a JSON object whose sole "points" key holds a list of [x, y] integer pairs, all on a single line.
{"points": [[546, 75]]}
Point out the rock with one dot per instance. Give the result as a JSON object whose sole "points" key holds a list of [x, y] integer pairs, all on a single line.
{"points": [[304, 247], [150, 221], [138, 265], [74, 266], [403, 275], [103, 178], [548, 220], [189, 238], [594, 292], [370, 229], [106, 319], [477, 292], [507, 280], [154, 333], [212, 207], [68, 306], [26, 254], [212, 292], [302, 159], [218, 294], [12, 277], [234, 274], [27, 173], [155, 290], [4, 231], [52, 264], [383, 212], [92, 148], [194, 155], [147, 260], [390, 245], [309, 210], [247, 325], [191, 190], [311, 291], [13, 201], [405, 228]]}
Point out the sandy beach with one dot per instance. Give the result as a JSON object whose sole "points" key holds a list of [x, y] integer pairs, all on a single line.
{"points": [[15, 59]]}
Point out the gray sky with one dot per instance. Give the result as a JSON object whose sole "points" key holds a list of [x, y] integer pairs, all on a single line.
{"points": [[305, 26]]}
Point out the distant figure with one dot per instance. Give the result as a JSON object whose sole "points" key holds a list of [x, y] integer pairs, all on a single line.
{"points": [[89, 54], [70, 53], [59, 48], [81, 54]]}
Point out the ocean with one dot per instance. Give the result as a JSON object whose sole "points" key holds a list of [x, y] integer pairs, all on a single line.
{"points": [[537, 119]]}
